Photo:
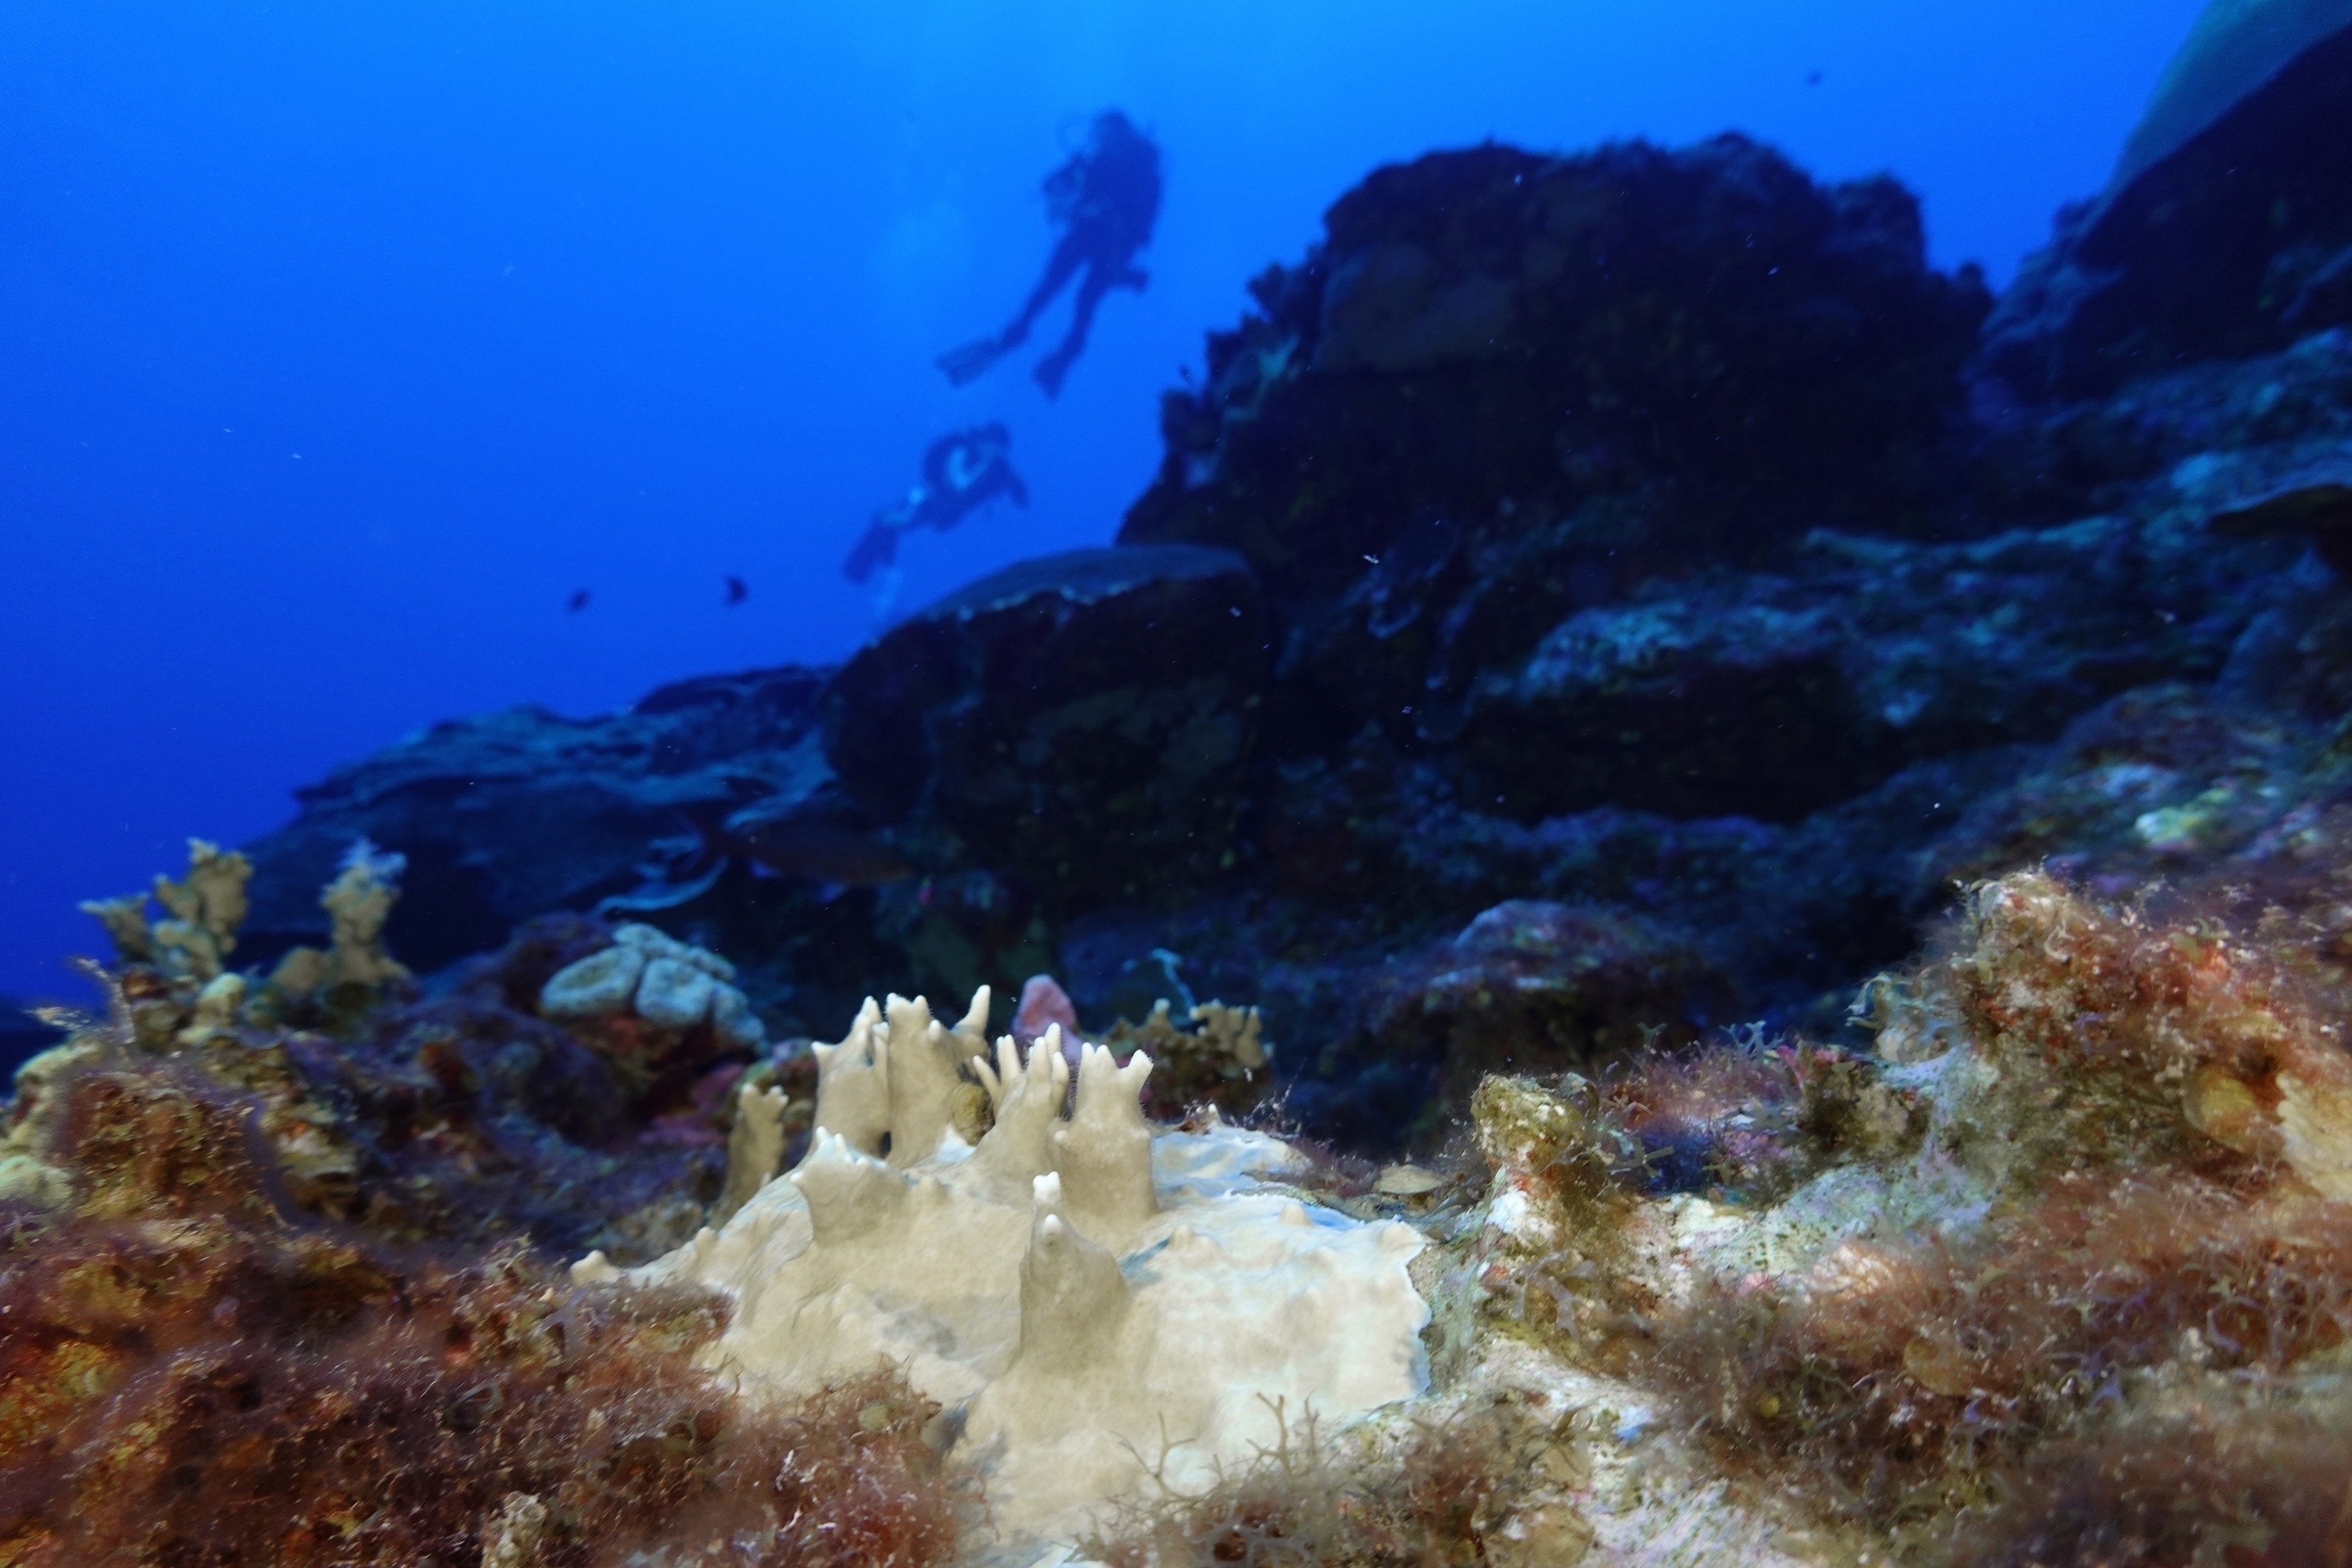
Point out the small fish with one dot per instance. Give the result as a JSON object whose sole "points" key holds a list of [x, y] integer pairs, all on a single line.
{"points": [[578, 602], [737, 591], [806, 846], [823, 852]]}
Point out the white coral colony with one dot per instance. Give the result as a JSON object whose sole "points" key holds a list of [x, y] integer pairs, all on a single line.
{"points": [[1089, 1296], [663, 981]]}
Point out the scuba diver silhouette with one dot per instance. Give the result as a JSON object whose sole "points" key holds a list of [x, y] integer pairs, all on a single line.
{"points": [[1106, 199], [963, 471]]}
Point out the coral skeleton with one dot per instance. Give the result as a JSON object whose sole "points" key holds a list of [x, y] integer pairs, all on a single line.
{"points": [[1100, 1305]]}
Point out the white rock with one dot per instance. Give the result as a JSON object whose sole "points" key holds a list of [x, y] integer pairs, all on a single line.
{"points": [[674, 994], [731, 1016], [596, 987]]}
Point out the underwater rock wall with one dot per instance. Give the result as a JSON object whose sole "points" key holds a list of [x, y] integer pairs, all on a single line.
{"points": [[509, 814], [1492, 338], [2228, 230], [1082, 724], [1649, 534]]}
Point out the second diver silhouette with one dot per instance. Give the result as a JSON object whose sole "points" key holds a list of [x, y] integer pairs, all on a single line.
{"points": [[963, 471], [1105, 199]]}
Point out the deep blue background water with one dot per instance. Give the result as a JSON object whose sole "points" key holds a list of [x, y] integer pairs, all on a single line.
{"points": [[340, 344]]}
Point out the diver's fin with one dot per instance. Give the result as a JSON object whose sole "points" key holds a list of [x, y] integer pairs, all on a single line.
{"points": [[967, 364], [1053, 369], [878, 547]]}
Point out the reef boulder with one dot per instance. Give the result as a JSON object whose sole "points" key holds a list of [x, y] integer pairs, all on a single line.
{"points": [[1082, 722], [1528, 987], [1507, 388], [2227, 231], [509, 814], [1497, 336]]}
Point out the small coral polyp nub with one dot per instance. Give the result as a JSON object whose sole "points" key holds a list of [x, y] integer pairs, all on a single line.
{"points": [[1106, 1150], [1073, 1296], [849, 1194], [853, 1083], [1028, 1100], [925, 1065]]}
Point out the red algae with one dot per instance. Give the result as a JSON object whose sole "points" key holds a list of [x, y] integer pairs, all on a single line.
{"points": [[2129, 1041], [2128, 1358], [846, 1480], [1441, 1499], [195, 1370], [1906, 1376], [2224, 1478]]}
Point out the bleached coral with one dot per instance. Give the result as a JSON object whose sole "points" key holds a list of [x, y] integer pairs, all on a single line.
{"points": [[670, 983], [206, 907], [358, 903], [1097, 1301]]}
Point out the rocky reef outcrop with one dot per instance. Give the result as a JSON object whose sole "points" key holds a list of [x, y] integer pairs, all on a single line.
{"points": [[509, 814], [1633, 586], [473, 1113], [2227, 231], [1082, 724], [1487, 340]]}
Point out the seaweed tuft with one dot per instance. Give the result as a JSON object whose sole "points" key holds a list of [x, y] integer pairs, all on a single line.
{"points": [[1458, 1491]]}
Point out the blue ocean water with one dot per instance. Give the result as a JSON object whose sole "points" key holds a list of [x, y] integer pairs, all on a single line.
{"points": [[342, 347]]}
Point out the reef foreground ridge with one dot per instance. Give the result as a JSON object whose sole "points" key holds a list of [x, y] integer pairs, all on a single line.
{"points": [[1775, 825], [2058, 1270]]}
